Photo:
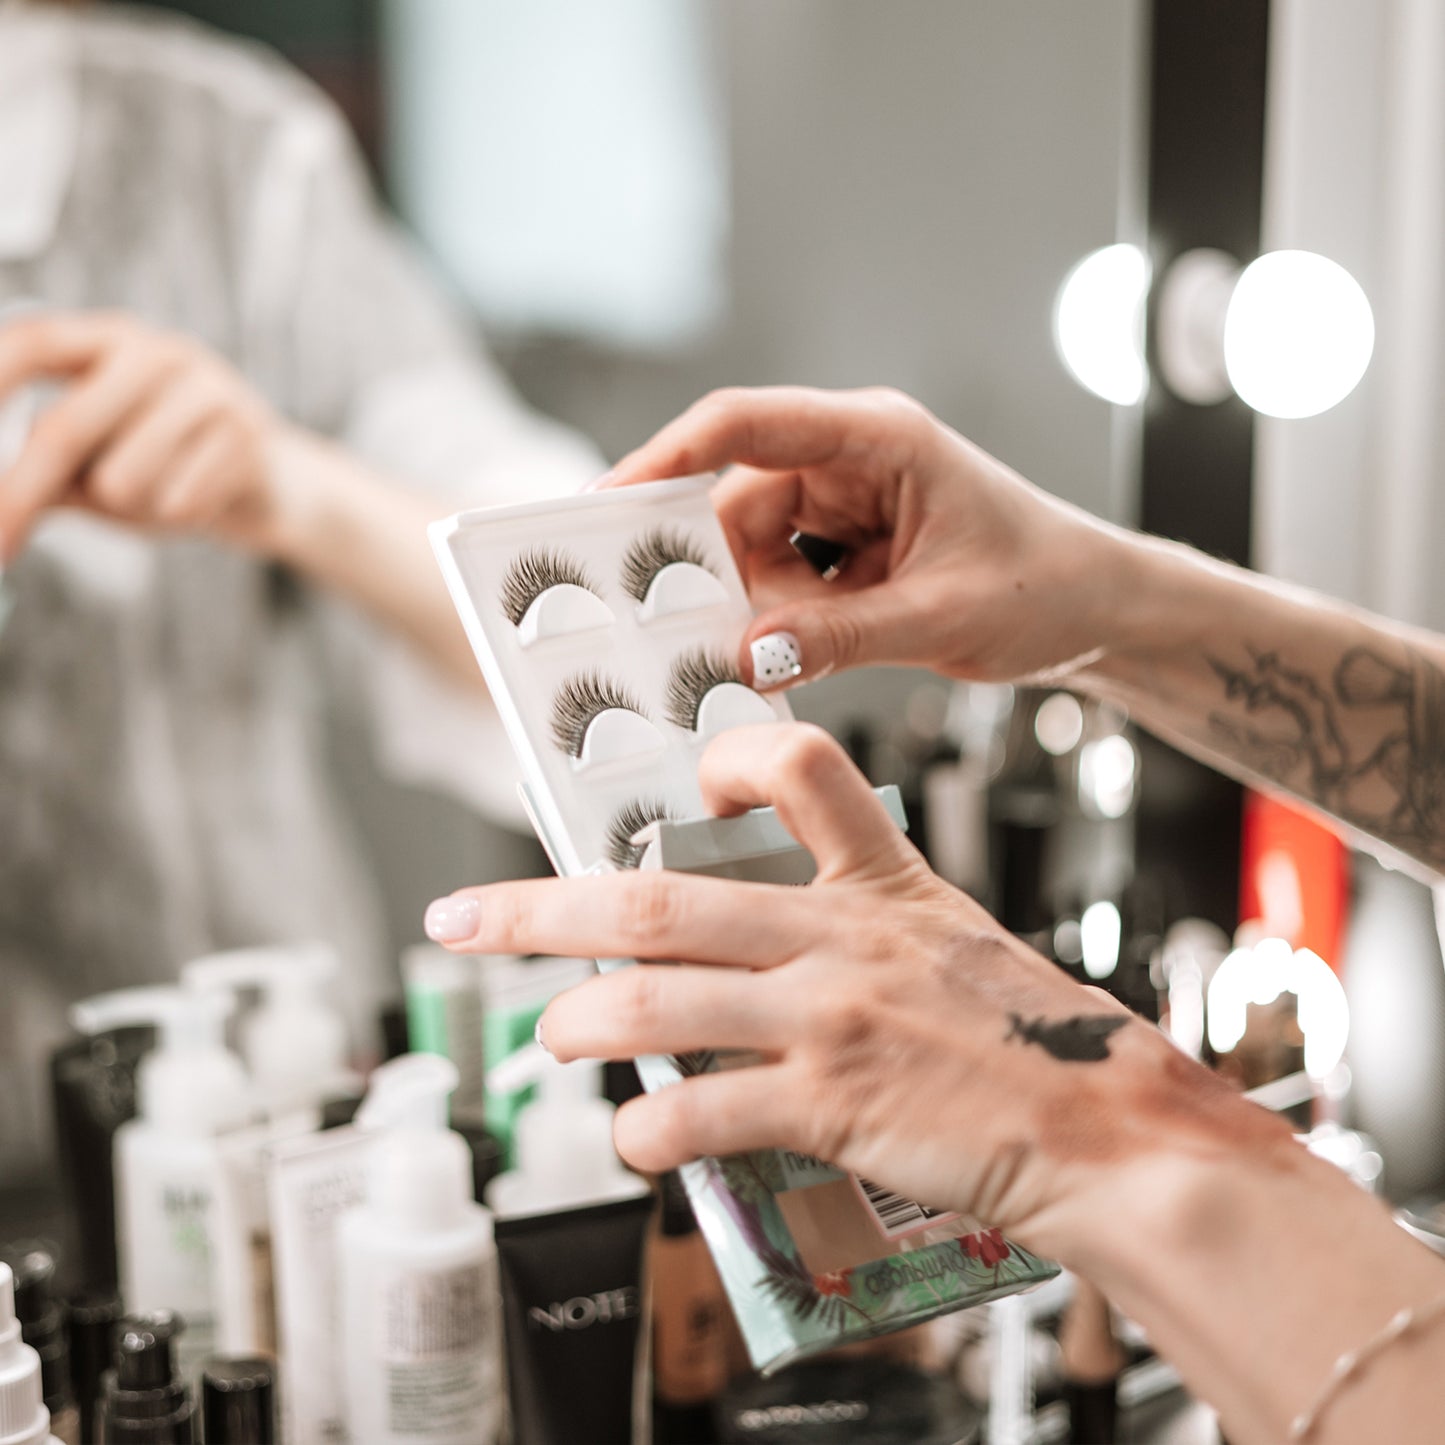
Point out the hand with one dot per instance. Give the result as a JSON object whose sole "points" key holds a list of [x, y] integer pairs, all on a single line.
{"points": [[958, 564], [904, 1035], [152, 429]]}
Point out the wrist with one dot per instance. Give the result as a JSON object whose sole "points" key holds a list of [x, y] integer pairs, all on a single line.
{"points": [[296, 504]]}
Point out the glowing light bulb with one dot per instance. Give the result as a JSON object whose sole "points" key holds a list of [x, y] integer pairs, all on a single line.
{"points": [[1298, 334], [1099, 323], [1101, 932]]}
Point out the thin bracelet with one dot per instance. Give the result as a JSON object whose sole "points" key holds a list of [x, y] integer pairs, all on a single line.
{"points": [[1352, 1362]]}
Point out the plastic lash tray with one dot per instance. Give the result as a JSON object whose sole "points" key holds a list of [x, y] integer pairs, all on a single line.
{"points": [[607, 626]]}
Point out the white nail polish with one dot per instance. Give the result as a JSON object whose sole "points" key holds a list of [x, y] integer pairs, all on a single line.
{"points": [[777, 659]]}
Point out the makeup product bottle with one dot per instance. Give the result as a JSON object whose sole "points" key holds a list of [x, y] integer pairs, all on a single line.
{"points": [[92, 1319], [92, 1083], [41, 1313], [293, 1042], [418, 1273], [24, 1420], [690, 1319], [571, 1226], [144, 1398], [238, 1401], [191, 1089], [444, 1015]]}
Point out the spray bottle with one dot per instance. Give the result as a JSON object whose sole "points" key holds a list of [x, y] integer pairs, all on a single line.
{"points": [[293, 1043], [571, 1225], [24, 1420], [191, 1088], [418, 1273]]}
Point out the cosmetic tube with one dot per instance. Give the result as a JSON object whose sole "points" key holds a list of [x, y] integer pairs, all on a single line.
{"points": [[238, 1401], [444, 1015]]}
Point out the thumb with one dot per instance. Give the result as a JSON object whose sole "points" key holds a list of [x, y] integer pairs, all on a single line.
{"points": [[801, 641]]}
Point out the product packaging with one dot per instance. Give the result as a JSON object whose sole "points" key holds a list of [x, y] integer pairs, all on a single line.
{"points": [[24, 1420], [312, 1183], [191, 1089], [444, 1016], [606, 626], [238, 1401], [419, 1329], [571, 1226], [92, 1318]]}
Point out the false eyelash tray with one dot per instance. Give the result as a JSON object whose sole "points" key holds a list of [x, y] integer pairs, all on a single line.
{"points": [[607, 626]]}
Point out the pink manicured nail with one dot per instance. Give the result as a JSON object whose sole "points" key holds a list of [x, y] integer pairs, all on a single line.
{"points": [[450, 920], [537, 1034], [597, 483], [777, 660]]}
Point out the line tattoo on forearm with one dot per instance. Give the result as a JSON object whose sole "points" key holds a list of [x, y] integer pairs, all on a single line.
{"points": [[1083, 1039], [1382, 771]]}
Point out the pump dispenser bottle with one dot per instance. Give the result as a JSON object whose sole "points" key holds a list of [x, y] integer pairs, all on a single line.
{"points": [[293, 1043], [191, 1088], [24, 1420], [418, 1273], [144, 1398]]}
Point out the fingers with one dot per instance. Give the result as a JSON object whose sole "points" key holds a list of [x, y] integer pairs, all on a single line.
{"points": [[68, 435], [132, 469], [820, 797], [664, 1009], [52, 345], [727, 1113], [629, 915], [205, 481], [777, 428]]}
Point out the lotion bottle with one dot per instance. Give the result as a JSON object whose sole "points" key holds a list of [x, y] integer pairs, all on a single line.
{"points": [[293, 1043], [190, 1089], [418, 1273]]}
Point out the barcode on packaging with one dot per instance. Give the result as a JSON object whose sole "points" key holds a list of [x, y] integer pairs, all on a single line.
{"points": [[897, 1214]]}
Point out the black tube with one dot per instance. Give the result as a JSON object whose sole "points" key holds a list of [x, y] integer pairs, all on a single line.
{"points": [[93, 1318], [572, 1314], [238, 1401]]}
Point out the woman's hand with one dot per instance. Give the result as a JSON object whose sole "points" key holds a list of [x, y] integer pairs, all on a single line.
{"points": [[958, 564], [151, 429], [904, 1035]]}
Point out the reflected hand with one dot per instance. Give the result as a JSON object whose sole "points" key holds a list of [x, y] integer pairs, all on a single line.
{"points": [[904, 1035], [152, 429], [958, 564]]}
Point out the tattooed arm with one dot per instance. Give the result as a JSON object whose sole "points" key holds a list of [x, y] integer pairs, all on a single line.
{"points": [[1284, 688]]}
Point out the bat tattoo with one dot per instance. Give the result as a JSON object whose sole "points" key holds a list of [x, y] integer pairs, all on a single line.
{"points": [[1083, 1039]]}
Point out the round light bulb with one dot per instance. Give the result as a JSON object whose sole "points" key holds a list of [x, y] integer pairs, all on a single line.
{"points": [[1099, 323], [1298, 334]]}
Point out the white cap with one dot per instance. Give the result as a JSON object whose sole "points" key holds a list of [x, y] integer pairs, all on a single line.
{"points": [[565, 1154], [190, 1082], [420, 1171], [24, 1420], [293, 1042]]}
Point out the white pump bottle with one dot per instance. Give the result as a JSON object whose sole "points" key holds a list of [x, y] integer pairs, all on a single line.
{"points": [[190, 1088], [294, 1044], [418, 1273], [565, 1154]]}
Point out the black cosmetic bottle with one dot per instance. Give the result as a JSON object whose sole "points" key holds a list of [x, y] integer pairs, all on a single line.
{"points": [[143, 1402], [93, 1318], [238, 1401]]}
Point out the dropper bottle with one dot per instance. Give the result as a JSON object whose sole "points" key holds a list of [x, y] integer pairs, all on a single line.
{"points": [[24, 1420]]}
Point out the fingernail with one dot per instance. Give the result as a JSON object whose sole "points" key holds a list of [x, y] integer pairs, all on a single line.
{"points": [[597, 483], [777, 659], [537, 1034], [450, 920]]}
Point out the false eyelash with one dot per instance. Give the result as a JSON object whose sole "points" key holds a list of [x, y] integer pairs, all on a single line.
{"points": [[580, 700], [693, 676], [653, 551], [531, 574], [627, 823]]}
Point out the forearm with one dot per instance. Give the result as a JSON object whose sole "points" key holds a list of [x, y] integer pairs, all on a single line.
{"points": [[1283, 688], [1253, 1275], [354, 533]]}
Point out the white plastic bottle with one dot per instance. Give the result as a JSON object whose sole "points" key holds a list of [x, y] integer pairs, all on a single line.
{"points": [[24, 1420], [190, 1088], [564, 1149], [418, 1274], [293, 1042]]}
